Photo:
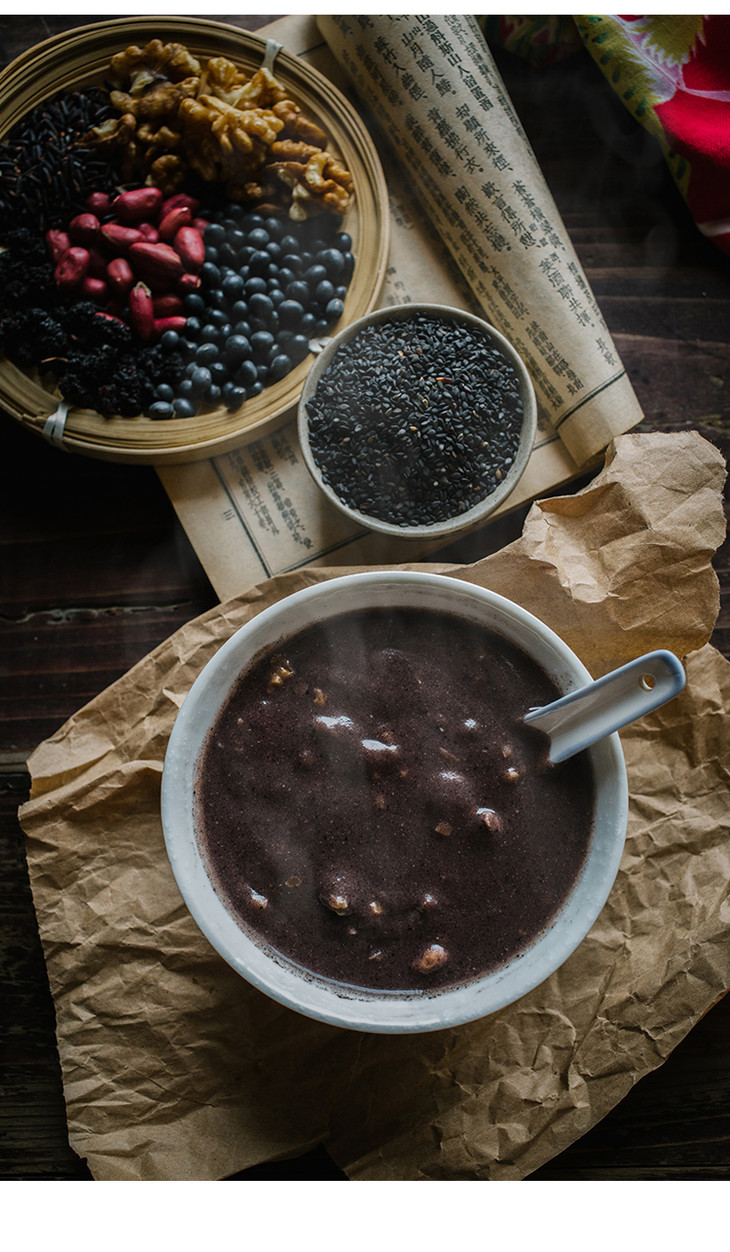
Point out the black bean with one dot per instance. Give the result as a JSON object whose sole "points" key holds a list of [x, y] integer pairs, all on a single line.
{"points": [[280, 367], [260, 306], [214, 235], [324, 292], [315, 275], [206, 353], [201, 380], [194, 303], [232, 286], [291, 313], [331, 259], [210, 275], [261, 343], [334, 309], [236, 349], [298, 347], [233, 398], [251, 320], [246, 374], [298, 290], [161, 409], [217, 317], [260, 263]]}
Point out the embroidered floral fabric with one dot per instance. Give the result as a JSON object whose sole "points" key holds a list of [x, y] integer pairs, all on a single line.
{"points": [[672, 73]]}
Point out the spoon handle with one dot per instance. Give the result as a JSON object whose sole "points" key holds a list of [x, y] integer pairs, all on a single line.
{"points": [[598, 709]]}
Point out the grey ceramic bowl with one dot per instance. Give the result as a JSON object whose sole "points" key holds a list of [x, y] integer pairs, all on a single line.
{"points": [[284, 980], [459, 522]]}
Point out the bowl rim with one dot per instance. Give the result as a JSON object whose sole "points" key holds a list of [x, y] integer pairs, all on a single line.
{"points": [[280, 978], [486, 507]]}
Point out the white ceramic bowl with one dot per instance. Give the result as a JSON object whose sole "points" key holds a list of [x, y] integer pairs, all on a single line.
{"points": [[461, 521], [283, 980]]}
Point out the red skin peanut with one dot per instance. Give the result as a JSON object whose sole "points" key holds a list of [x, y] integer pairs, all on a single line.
{"points": [[200, 224], [139, 205], [84, 229], [97, 264], [95, 289], [57, 243], [72, 269], [141, 312], [150, 232], [119, 276], [156, 263], [98, 202], [172, 221], [187, 282], [179, 198], [161, 324], [190, 247], [168, 305], [120, 238]]}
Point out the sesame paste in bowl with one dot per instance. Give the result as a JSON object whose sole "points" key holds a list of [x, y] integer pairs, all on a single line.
{"points": [[369, 803]]}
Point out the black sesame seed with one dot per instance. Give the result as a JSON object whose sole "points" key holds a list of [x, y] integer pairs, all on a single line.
{"points": [[413, 419]]}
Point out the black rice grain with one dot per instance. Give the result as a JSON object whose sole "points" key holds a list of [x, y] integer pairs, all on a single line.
{"points": [[416, 420], [44, 175]]}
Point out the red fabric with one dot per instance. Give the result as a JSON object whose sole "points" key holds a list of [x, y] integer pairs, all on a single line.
{"points": [[698, 126], [672, 73]]}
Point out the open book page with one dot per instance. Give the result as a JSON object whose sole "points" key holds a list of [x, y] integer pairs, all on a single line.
{"points": [[434, 89], [255, 512]]}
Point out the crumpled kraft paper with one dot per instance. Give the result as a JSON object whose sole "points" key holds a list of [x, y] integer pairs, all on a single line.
{"points": [[174, 1068]]}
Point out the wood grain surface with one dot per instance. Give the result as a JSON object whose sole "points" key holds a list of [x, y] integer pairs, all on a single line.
{"points": [[97, 571]]}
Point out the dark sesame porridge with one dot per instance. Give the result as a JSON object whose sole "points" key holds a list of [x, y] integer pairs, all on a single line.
{"points": [[369, 803]]}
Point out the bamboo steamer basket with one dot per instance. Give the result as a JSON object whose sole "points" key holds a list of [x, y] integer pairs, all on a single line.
{"points": [[81, 58]]}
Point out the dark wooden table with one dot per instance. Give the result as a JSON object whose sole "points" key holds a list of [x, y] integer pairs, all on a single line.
{"points": [[97, 571]]}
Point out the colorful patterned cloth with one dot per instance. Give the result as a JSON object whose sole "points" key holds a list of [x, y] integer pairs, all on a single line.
{"points": [[672, 73]]}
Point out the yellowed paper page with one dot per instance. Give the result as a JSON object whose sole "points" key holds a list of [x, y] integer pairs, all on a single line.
{"points": [[255, 511]]}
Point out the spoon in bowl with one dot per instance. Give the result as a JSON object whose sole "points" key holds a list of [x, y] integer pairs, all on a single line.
{"points": [[582, 718]]}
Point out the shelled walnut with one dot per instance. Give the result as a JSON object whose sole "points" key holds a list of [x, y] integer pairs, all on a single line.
{"points": [[240, 131]]}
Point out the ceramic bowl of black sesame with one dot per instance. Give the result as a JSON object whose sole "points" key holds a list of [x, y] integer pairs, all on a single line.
{"points": [[417, 421]]}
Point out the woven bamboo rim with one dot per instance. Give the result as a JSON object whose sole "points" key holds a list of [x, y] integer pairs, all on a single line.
{"points": [[80, 58]]}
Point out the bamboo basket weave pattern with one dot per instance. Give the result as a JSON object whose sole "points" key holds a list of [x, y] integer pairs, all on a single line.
{"points": [[80, 58]]}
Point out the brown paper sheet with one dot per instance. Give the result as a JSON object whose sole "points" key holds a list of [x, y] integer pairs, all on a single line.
{"points": [[174, 1068]]}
